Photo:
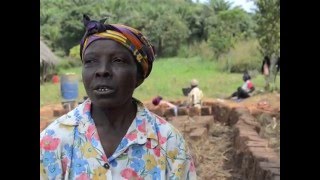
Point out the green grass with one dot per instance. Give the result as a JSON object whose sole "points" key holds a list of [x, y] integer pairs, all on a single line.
{"points": [[167, 79], [170, 75]]}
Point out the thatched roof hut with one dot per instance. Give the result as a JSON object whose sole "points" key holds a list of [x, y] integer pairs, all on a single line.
{"points": [[47, 61], [47, 55]]}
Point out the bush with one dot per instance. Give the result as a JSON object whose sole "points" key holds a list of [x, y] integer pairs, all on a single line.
{"points": [[74, 53], [244, 56], [67, 64], [199, 49]]}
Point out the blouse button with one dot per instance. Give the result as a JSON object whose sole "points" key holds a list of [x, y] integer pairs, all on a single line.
{"points": [[106, 165]]}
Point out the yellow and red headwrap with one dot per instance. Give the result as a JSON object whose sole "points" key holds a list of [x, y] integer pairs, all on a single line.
{"points": [[141, 48]]}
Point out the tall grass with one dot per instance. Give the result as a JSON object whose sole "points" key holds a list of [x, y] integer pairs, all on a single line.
{"points": [[243, 56], [198, 49], [167, 79]]}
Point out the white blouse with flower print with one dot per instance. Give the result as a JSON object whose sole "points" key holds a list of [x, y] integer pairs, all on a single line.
{"points": [[151, 149]]}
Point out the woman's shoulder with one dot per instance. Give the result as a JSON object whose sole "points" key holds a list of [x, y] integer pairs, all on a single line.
{"points": [[61, 130], [165, 128], [69, 120], [157, 123], [57, 131]]}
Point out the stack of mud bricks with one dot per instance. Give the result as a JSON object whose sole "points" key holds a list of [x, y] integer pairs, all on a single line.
{"points": [[182, 111], [66, 107], [43, 124], [196, 127], [252, 158], [59, 112]]}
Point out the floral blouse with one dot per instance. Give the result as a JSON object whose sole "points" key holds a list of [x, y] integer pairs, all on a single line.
{"points": [[151, 149]]}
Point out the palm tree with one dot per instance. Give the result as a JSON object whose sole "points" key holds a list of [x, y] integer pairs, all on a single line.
{"points": [[220, 5]]}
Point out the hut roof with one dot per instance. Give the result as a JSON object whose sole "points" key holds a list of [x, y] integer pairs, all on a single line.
{"points": [[47, 55]]}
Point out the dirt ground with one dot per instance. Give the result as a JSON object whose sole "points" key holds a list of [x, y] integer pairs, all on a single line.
{"points": [[268, 102], [212, 155]]}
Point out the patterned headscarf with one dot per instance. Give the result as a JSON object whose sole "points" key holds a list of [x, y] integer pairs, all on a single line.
{"points": [[156, 100], [141, 48]]}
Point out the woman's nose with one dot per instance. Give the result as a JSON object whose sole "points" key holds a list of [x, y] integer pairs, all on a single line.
{"points": [[104, 71]]}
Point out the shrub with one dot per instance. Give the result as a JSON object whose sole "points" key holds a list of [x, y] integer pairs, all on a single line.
{"points": [[244, 56]]}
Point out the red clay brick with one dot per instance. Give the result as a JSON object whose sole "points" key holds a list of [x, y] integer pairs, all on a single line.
{"points": [[221, 112], [168, 112], [264, 164], [208, 103], [263, 154], [262, 143], [158, 111], [198, 133], [59, 112], [182, 111], [43, 124], [205, 110], [193, 111]]}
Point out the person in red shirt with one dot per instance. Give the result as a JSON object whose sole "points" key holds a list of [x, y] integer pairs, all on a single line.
{"points": [[245, 90]]}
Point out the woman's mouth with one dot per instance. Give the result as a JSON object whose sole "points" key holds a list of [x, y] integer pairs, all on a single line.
{"points": [[103, 90]]}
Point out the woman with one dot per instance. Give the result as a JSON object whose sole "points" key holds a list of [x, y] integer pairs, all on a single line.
{"points": [[265, 70], [159, 101], [112, 135], [245, 90]]}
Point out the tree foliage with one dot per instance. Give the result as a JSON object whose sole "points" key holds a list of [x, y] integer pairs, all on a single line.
{"points": [[268, 33], [169, 24], [268, 26]]}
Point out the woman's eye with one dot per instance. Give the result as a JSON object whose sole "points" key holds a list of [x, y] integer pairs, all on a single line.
{"points": [[118, 60], [89, 61]]}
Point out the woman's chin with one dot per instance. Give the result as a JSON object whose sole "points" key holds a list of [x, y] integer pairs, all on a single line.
{"points": [[106, 103]]}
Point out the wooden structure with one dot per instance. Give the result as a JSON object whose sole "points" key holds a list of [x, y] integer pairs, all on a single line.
{"points": [[47, 61]]}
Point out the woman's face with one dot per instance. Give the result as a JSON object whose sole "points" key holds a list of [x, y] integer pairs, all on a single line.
{"points": [[109, 73]]}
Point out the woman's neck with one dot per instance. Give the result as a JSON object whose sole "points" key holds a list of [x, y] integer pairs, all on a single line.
{"points": [[114, 117]]}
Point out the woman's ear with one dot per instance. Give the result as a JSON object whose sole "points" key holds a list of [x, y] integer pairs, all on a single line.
{"points": [[140, 80], [140, 77]]}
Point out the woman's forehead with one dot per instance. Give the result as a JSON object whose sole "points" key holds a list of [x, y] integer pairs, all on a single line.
{"points": [[106, 46]]}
